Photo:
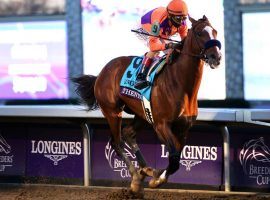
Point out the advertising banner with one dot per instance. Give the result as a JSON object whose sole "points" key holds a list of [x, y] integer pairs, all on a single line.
{"points": [[201, 160], [12, 151], [105, 162], [251, 164], [55, 152]]}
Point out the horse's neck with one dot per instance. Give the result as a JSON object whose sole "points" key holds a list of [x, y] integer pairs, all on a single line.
{"points": [[188, 72]]}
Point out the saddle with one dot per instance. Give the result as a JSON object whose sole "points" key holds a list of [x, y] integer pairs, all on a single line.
{"points": [[129, 79]]}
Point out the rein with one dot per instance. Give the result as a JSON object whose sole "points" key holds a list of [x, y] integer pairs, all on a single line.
{"points": [[207, 45]]}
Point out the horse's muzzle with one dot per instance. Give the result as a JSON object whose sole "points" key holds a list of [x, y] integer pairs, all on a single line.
{"points": [[213, 57], [214, 61]]}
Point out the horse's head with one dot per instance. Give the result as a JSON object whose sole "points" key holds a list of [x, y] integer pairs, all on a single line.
{"points": [[204, 41]]}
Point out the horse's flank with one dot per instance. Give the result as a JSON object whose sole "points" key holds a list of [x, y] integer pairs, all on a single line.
{"points": [[107, 86]]}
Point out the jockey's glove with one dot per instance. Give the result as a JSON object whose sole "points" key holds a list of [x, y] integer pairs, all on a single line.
{"points": [[172, 45]]}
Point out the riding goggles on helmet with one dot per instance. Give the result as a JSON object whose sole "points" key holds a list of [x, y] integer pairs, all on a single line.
{"points": [[177, 19]]}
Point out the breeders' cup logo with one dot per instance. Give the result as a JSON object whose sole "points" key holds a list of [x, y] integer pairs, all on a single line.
{"points": [[255, 160], [6, 159], [4, 146], [116, 163], [56, 150], [193, 155]]}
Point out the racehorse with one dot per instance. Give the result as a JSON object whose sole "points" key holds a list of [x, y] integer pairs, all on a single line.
{"points": [[173, 101]]}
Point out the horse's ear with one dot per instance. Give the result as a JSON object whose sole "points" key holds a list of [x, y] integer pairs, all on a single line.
{"points": [[192, 20], [205, 18]]}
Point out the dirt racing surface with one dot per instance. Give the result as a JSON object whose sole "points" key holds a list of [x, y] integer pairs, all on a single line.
{"points": [[48, 192]]}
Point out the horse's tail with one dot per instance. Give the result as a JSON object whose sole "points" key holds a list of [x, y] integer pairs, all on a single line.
{"points": [[85, 89]]}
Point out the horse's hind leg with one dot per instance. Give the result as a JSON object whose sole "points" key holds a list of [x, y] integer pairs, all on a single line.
{"points": [[115, 119], [129, 135]]}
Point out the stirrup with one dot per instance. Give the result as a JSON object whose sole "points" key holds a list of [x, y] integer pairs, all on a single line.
{"points": [[140, 77], [141, 84]]}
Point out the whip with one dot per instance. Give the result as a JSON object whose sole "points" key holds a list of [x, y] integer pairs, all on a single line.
{"points": [[148, 34]]}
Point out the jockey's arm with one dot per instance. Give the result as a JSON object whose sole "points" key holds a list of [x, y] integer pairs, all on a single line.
{"points": [[156, 44]]}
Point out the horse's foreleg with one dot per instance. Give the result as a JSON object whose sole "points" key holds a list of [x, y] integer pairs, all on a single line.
{"points": [[175, 153], [114, 120], [175, 145]]}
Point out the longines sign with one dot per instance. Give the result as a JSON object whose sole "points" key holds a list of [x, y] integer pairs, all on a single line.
{"points": [[193, 155], [56, 150]]}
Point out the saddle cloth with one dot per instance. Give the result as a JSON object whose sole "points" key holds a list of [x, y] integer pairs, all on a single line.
{"points": [[144, 95], [129, 78]]}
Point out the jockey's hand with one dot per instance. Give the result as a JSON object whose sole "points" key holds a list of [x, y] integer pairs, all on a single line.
{"points": [[172, 45]]}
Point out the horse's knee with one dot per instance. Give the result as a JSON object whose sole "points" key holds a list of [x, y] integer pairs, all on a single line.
{"points": [[117, 146], [173, 163], [129, 132], [126, 130], [129, 135]]}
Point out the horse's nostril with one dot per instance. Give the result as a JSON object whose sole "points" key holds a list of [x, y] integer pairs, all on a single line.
{"points": [[212, 56]]}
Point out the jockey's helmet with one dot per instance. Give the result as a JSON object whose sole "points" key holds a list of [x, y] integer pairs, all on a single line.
{"points": [[177, 12]]}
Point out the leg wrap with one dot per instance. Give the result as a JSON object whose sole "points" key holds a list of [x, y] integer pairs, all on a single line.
{"points": [[140, 159], [118, 148], [173, 163]]}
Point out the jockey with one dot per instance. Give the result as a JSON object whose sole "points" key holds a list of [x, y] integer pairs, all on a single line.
{"points": [[163, 22]]}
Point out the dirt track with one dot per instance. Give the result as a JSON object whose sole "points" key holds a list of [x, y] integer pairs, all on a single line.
{"points": [[47, 192]]}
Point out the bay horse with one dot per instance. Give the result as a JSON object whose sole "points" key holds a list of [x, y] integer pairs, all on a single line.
{"points": [[173, 101]]}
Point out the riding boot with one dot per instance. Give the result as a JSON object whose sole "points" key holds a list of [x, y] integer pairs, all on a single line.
{"points": [[141, 81]]}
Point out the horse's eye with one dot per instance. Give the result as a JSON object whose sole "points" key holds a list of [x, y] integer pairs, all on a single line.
{"points": [[199, 34]]}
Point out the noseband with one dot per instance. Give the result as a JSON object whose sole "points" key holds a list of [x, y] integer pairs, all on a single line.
{"points": [[207, 45]]}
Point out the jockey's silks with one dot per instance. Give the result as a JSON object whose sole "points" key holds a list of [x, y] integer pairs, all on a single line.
{"points": [[156, 23]]}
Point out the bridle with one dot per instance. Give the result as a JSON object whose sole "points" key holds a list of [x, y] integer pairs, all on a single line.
{"points": [[209, 44]]}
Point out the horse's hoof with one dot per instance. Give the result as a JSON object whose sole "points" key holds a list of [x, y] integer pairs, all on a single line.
{"points": [[148, 171], [136, 186], [141, 174], [157, 182]]}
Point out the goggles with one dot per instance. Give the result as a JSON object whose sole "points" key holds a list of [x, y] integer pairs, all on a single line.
{"points": [[178, 19]]}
